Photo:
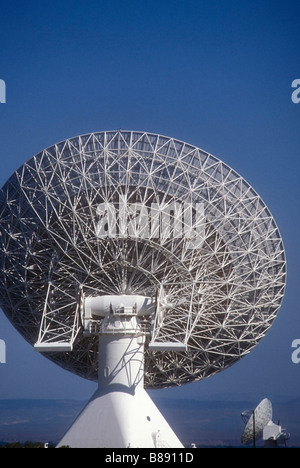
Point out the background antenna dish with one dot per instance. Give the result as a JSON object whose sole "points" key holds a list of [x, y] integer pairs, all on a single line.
{"points": [[258, 420], [143, 237]]}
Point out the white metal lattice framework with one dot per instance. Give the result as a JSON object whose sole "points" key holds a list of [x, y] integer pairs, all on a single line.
{"points": [[117, 212]]}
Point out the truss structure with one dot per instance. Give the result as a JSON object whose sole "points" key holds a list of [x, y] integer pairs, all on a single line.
{"points": [[118, 213]]}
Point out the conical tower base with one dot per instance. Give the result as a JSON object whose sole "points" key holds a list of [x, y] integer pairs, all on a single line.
{"points": [[119, 419]]}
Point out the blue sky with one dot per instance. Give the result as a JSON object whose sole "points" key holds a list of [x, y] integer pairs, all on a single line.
{"points": [[216, 74]]}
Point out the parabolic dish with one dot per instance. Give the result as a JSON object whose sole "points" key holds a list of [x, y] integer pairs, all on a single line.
{"points": [[262, 415], [125, 212]]}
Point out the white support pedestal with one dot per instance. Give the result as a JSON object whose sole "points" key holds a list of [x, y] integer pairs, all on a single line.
{"points": [[120, 414]]}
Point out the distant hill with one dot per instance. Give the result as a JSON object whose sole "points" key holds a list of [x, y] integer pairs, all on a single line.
{"points": [[213, 423], [36, 420]]}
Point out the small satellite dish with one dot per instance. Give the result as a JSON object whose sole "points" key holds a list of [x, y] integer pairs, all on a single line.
{"points": [[259, 418]]}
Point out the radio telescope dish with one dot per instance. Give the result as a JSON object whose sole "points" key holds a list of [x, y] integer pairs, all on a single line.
{"points": [[142, 236], [258, 420]]}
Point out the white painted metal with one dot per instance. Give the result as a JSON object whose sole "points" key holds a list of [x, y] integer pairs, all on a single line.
{"points": [[120, 420], [135, 213], [120, 414], [167, 346], [102, 306], [258, 420], [137, 216], [272, 431], [53, 347], [274, 435]]}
